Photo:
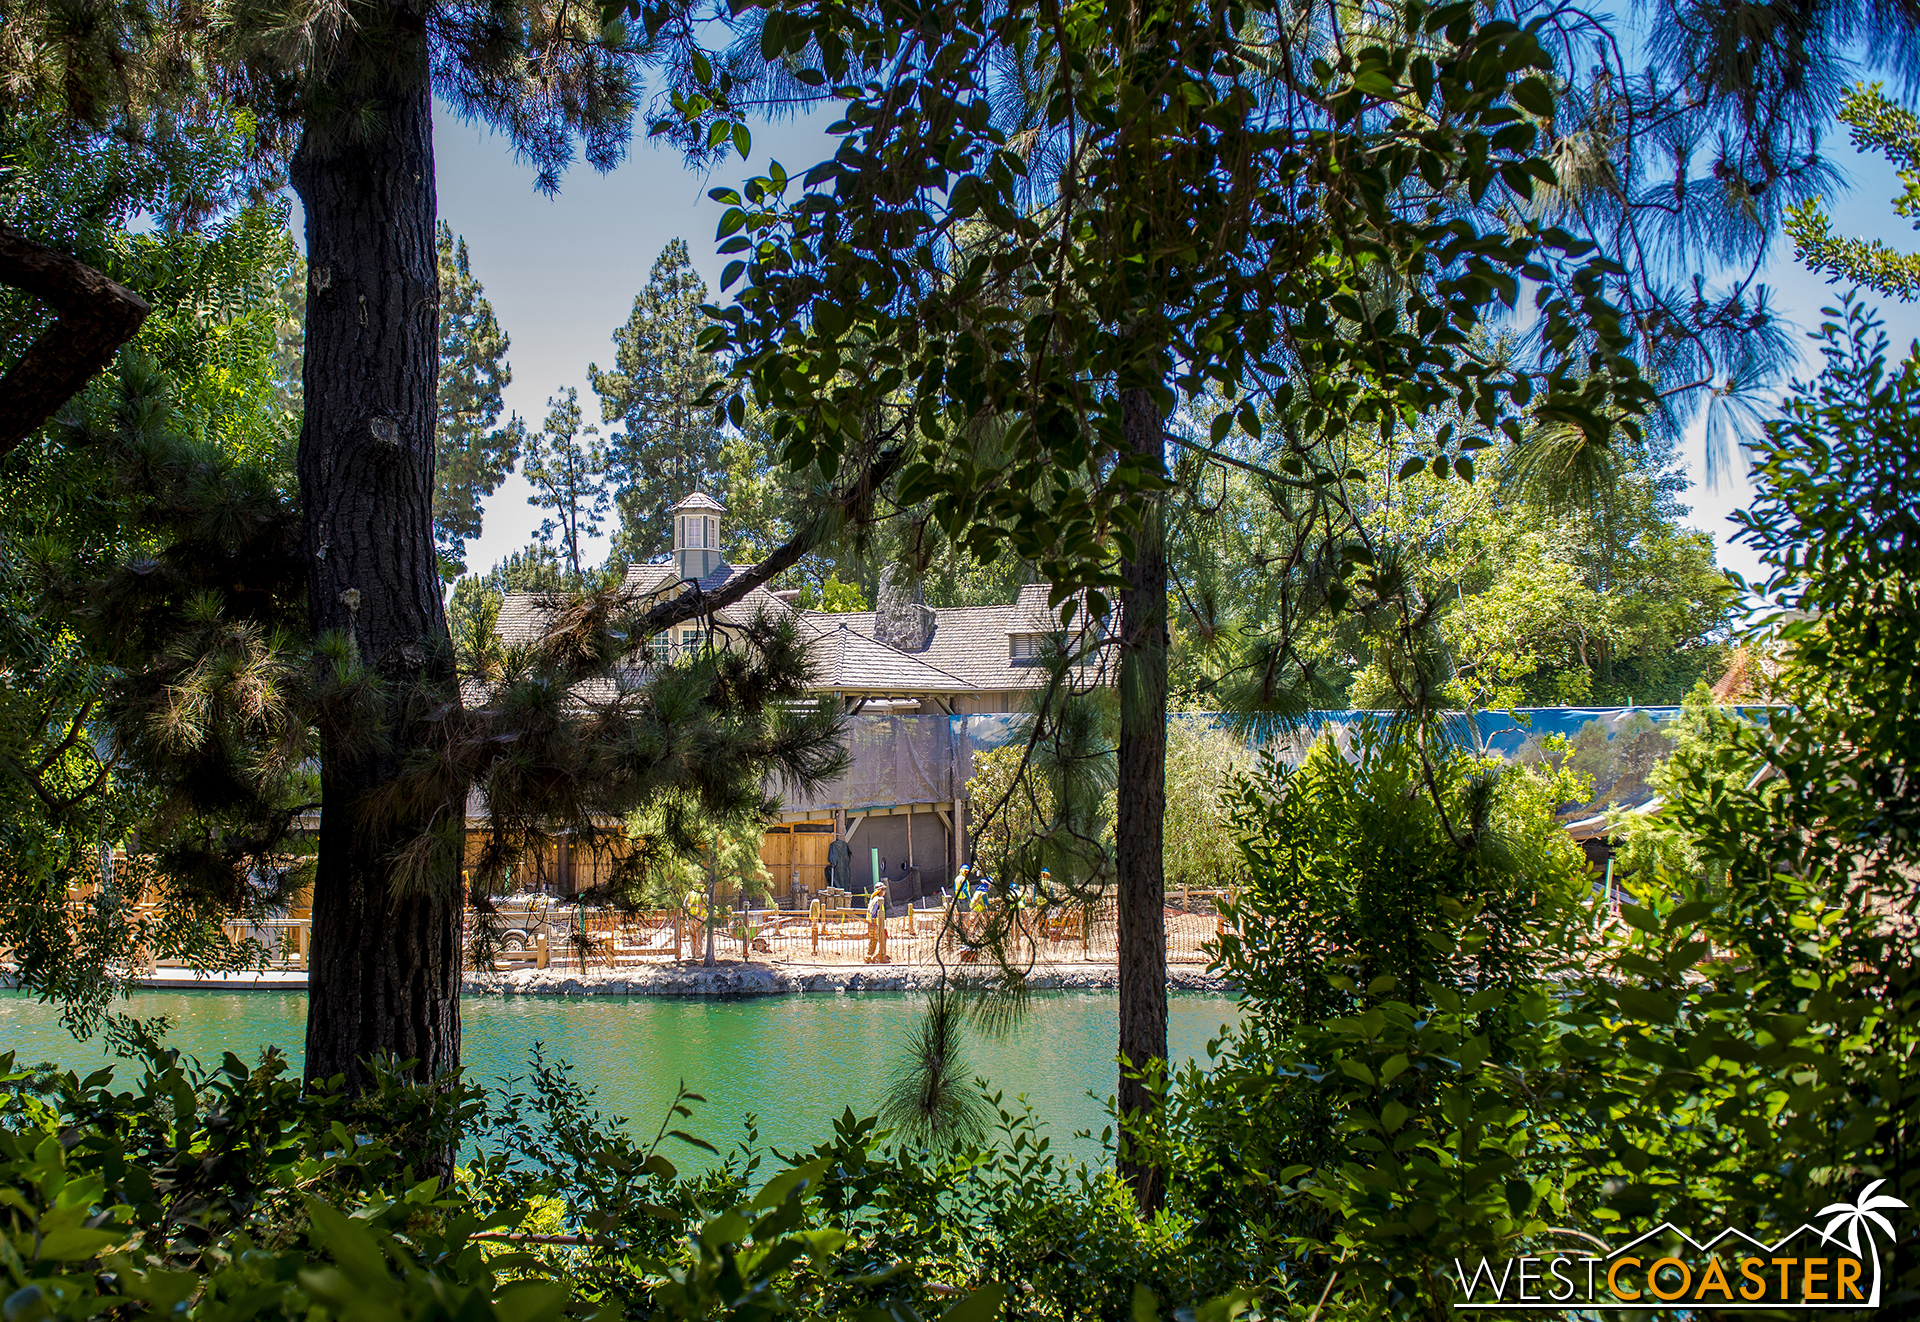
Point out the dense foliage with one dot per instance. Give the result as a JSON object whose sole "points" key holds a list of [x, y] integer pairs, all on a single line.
{"points": [[1452, 1044], [168, 464]]}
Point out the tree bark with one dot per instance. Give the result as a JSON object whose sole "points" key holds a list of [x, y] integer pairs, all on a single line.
{"points": [[1142, 807], [384, 976], [96, 317]]}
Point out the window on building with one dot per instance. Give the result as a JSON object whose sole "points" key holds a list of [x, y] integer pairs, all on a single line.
{"points": [[692, 639]]}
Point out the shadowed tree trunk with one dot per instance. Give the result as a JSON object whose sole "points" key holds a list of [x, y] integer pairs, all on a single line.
{"points": [[385, 966], [1142, 806]]}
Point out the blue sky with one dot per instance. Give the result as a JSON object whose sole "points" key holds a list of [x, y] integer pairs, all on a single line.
{"points": [[562, 273]]}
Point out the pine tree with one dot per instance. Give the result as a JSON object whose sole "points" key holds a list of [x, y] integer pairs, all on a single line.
{"points": [[567, 465], [667, 445], [472, 456]]}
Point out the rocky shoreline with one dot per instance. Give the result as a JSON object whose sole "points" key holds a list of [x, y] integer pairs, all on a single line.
{"points": [[736, 979]]}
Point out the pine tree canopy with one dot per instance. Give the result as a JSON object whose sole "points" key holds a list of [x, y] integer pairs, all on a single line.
{"points": [[472, 456], [567, 466], [668, 442]]}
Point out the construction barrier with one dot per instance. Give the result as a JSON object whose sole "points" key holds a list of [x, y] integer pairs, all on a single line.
{"points": [[822, 933], [561, 936]]}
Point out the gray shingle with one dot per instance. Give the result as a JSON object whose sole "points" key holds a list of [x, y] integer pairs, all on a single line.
{"points": [[851, 662], [973, 643], [969, 650]]}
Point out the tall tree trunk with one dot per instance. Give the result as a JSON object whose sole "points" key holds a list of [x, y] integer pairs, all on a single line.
{"points": [[385, 967], [1142, 807]]}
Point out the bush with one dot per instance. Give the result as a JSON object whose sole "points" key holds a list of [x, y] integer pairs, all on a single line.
{"points": [[1379, 1110], [231, 1194]]}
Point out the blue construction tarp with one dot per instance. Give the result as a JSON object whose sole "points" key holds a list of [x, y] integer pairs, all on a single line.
{"points": [[929, 759]]}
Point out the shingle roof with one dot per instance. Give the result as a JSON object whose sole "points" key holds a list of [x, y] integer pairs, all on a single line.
{"points": [[700, 500], [1030, 612], [968, 650], [971, 643], [849, 662]]}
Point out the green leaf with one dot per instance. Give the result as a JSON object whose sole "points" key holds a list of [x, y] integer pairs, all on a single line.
{"points": [[350, 1244], [983, 1305], [1640, 1003], [742, 141], [1412, 466], [530, 1301], [75, 1244], [1687, 916], [1535, 97]]}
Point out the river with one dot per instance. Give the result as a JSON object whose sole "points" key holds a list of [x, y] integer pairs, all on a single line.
{"points": [[794, 1062]]}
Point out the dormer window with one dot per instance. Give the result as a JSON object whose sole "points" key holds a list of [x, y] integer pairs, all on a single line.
{"points": [[1026, 646]]}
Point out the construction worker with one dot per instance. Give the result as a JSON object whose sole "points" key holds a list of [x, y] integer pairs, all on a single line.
{"points": [[877, 925], [693, 907]]}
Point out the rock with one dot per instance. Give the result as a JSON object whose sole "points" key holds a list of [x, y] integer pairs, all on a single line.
{"points": [[733, 979]]}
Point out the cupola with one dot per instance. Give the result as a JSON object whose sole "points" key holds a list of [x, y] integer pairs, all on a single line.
{"points": [[696, 535]]}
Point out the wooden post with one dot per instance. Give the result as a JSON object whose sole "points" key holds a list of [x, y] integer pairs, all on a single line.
{"points": [[540, 952]]}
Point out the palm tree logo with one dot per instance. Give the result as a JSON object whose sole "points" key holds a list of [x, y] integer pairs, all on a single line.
{"points": [[1858, 1219]]}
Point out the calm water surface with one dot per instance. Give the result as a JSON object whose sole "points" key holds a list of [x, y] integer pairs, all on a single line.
{"points": [[795, 1062]]}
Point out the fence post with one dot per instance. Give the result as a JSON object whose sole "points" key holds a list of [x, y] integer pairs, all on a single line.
{"points": [[540, 954]]}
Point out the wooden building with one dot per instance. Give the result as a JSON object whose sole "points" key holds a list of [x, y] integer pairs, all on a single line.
{"points": [[904, 661]]}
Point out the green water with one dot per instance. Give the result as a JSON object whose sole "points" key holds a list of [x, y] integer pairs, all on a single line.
{"points": [[794, 1062]]}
